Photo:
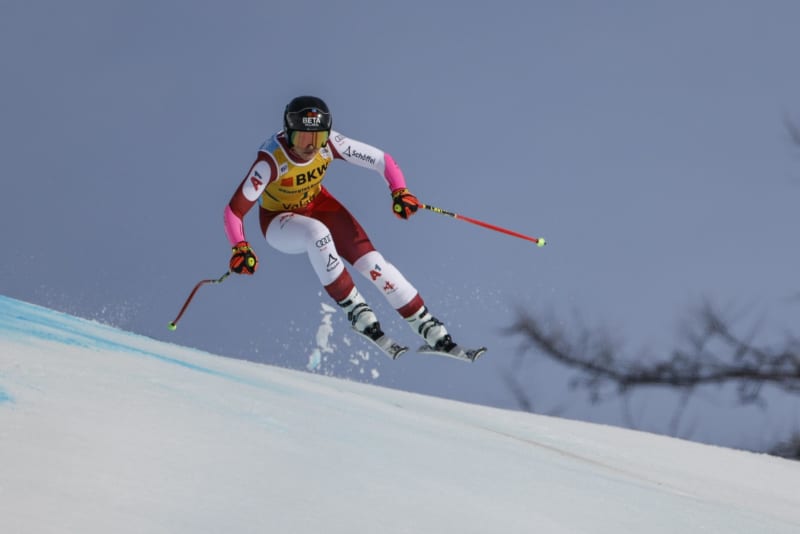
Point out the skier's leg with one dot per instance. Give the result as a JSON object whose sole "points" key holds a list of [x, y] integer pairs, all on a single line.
{"points": [[292, 233], [387, 278], [404, 297], [357, 249]]}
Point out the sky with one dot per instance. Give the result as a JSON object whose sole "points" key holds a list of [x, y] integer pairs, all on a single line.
{"points": [[644, 140], [187, 441]]}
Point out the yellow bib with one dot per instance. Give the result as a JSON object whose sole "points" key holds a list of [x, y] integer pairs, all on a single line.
{"points": [[297, 183]]}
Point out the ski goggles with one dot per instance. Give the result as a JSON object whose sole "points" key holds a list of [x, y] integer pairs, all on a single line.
{"points": [[302, 139]]}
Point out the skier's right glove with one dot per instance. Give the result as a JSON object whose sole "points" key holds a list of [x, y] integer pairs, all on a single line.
{"points": [[244, 260]]}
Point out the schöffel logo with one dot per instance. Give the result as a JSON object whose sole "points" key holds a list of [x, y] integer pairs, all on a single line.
{"points": [[360, 155], [333, 263]]}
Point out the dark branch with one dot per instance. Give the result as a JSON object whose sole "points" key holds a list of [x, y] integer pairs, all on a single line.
{"points": [[714, 356], [793, 129]]}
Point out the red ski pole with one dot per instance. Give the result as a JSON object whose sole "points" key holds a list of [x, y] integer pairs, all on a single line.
{"points": [[540, 241], [174, 324]]}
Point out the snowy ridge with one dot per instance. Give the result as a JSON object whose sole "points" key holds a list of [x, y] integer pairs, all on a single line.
{"points": [[105, 431]]}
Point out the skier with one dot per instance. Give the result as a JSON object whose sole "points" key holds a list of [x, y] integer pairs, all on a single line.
{"points": [[298, 215]]}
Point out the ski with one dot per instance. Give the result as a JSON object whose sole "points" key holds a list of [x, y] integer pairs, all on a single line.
{"points": [[456, 352], [387, 345]]}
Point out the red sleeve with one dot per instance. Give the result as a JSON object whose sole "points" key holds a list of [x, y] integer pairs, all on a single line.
{"points": [[239, 204], [263, 171]]}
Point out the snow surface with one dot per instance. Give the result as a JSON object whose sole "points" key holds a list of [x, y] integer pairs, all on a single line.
{"points": [[105, 431]]}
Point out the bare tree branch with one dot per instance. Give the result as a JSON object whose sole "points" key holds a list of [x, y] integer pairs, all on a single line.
{"points": [[713, 355], [793, 129], [789, 448]]}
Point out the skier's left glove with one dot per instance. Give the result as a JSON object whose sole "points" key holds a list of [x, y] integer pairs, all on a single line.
{"points": [[243, 260], [404, 204]]}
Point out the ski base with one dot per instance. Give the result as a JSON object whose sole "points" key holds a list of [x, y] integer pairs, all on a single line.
{"points": [[386, 345], [456, 352]]}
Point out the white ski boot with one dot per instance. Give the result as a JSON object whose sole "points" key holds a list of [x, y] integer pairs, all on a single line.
{"points": [[365, 323], [437, 340]]}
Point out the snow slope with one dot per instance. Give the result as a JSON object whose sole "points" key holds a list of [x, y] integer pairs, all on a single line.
{"points": [[105, 431]]}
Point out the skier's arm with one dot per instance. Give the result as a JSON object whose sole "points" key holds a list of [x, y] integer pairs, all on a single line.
{"points": [[369, 157], [243, 258], [404, 203], [261, 173]]}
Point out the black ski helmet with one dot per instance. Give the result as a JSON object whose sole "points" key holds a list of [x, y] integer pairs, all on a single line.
{"points": [[306, 114]]}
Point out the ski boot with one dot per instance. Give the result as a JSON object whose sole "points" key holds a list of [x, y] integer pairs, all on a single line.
{"points": [[365, 324], [437, 340]]}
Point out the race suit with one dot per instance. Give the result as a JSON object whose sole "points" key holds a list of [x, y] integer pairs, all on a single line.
{"points": [[298, 214]]}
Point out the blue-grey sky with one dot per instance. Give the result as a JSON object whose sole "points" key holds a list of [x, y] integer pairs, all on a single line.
{"points": [[645, 140]]}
